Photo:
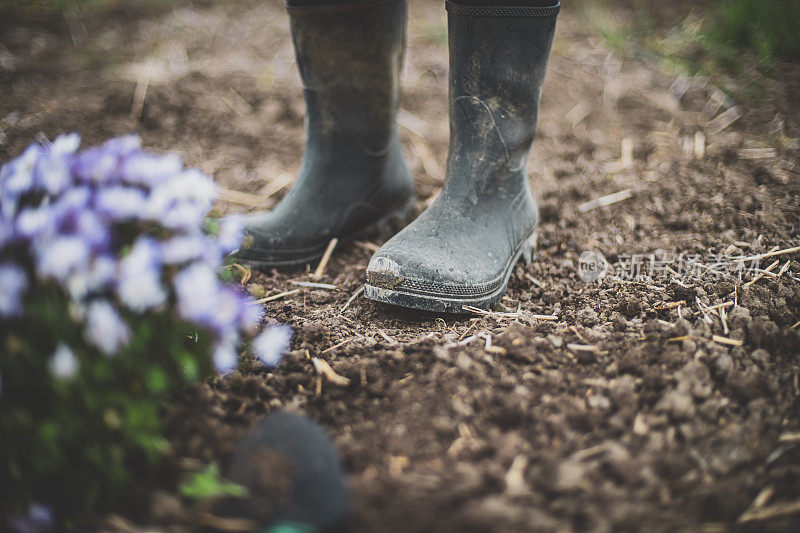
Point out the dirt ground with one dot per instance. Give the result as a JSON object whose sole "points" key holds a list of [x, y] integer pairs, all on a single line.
{"points": [[667, 403]]}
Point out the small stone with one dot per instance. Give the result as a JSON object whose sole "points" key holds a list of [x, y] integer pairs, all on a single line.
{"points": [[556, 340], [570, 475], [739, 317], [598, 401], [640, 427], [588, 316], [618, 321], [652, 326], [733, 250], [724, 363], [677, 403]]}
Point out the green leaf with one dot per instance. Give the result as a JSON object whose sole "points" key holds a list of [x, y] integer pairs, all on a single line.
{"points": [[209, 484]]}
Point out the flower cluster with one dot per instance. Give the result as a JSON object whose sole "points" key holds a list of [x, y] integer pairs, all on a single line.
{"points": [[121, 230], [110, 279]]}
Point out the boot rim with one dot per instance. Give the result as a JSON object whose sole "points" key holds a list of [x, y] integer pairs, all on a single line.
{"points": [[551, 10], [344, 6]]}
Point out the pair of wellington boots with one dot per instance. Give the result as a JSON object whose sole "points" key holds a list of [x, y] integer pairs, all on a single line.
{"points": [[461, 250]]}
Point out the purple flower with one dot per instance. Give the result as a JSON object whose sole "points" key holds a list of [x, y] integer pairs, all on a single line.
{"points": [[64, 364], [60, 257], [38, 519], [182, 201], [197, 288], [95, 165], [140, 168], [250, 313], [105, 328], [97, 276], [139, 284], [184, 248], [73, 199], [123, 146], [270, 346], [33, 222], [16, 177], [13, 283], [52, 170], [120, 203], [231, 232], [225, 356]]}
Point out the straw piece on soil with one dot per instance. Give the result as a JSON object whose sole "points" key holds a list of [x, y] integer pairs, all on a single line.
{"points": [[770, 254], [368, 246], [484, 312], [679, 339], [789, 437], [241, 198], [312, 285], [325, 258], [582, 347], [723, 120], [719, 306], [322, 366], [474, 323], [578, 112], [246, 272], [783, 269], [386, 337], [725, 340], [467, 340], [670, 305], [275, 185], [337, 345], [757, 153], [795, 325], [350, 300], [544, 317], [626, 153], [723, 317], [140, 92], [533, 280], [605, 200], [412, 123], [773, 511], [499, 350], [278, 296], [699, 145], [761, 274]]}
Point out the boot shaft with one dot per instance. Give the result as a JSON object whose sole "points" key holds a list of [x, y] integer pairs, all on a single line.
{"points": [[350, 56], [498, 58]]}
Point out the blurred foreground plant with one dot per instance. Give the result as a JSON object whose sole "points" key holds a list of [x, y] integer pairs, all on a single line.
{"points": [[110, 301]]}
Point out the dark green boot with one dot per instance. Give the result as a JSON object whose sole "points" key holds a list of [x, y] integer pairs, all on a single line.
{"points": [[354, 175], [462, 249]]}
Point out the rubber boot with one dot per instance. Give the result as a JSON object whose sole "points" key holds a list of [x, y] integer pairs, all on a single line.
{"points": [[354, 175], [461, 250]]}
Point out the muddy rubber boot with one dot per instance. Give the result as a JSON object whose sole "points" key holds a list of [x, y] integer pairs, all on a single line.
{"points": [[354, 176], [461, 250]]}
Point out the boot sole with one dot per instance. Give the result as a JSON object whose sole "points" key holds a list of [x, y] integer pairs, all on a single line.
{"points": [[453, 303], [390, 223]]}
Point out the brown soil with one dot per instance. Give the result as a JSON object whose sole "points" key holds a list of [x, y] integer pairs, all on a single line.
{"points": [[657, 426]]}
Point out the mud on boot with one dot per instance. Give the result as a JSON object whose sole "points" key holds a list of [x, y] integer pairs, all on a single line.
{"points": [[462, 249], [354, 176]]}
